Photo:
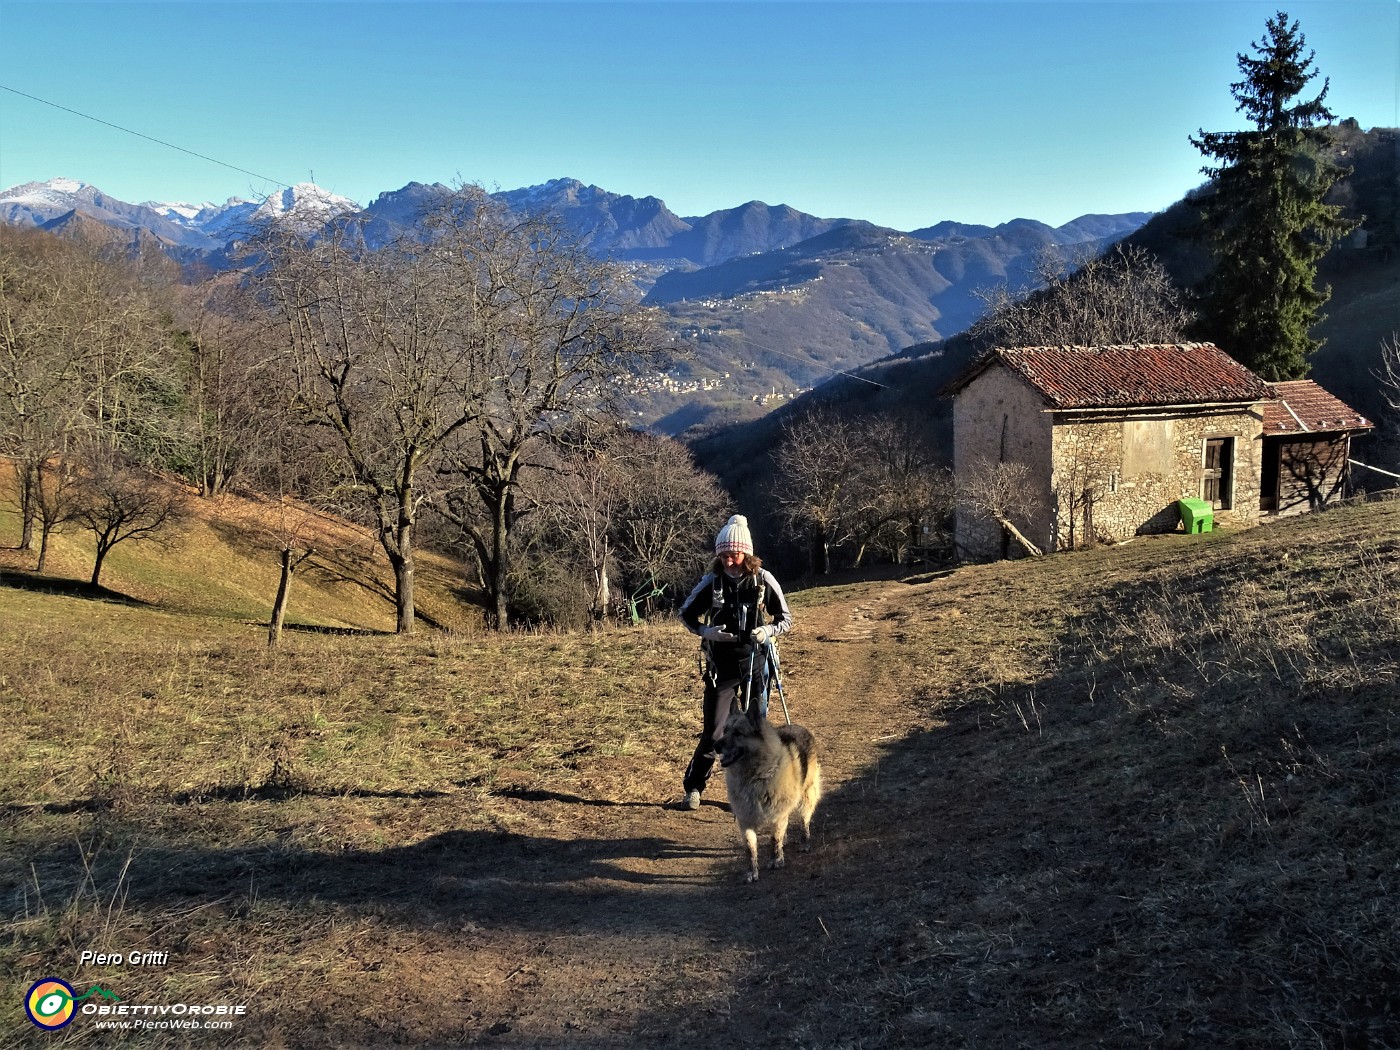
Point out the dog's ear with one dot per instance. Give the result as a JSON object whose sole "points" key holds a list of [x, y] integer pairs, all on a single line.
{"points": [[755, 715]]}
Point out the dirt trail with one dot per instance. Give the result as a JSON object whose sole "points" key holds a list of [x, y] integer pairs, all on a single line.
{"points": [[602, 922]]}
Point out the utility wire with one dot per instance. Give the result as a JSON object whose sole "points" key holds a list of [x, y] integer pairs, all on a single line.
{"points": [[148, 138]]}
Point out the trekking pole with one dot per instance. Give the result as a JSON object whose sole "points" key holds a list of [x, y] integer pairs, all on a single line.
{"points": [[778, 677], [746, 693]]}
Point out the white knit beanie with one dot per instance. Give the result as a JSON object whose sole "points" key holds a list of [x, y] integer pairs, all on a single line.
{"points": [[734, 538]]}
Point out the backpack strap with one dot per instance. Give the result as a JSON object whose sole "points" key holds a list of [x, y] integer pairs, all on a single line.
{"points": [[708, 671]]}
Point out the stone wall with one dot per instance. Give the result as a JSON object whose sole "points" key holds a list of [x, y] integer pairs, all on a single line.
{"points": [[1118, 475], [998, 418], [1101, 475]]}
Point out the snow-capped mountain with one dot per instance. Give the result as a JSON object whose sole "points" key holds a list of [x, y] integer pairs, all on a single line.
{"points": [[305, 203], [53, 203], [202, 227], [178, 211], [41, 202], [51, 194]]}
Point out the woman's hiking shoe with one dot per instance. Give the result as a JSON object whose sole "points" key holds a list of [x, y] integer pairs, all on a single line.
{"points": [[692, 800]]}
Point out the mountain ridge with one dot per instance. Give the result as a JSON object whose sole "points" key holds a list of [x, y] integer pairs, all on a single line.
{"points": [[770, 300], [628, 227]]}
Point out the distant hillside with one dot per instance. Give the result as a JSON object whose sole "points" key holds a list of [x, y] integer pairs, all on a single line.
{"points": [[784, 321], [612, 223], [770, 299]]}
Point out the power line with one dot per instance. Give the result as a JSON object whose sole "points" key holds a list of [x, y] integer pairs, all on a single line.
{"points": [[148, 138]]}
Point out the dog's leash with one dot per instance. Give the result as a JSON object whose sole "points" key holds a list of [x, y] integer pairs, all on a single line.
{"points": [[746, 693]]}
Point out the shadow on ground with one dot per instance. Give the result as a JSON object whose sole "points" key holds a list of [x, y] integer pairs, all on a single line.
{"points": [[1082, 861], [65, 587]]}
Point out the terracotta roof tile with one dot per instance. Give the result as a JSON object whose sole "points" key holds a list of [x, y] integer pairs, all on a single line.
{"points": [[1300, 406], [1133, 375]]}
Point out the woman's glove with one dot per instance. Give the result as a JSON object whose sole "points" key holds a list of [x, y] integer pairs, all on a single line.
{"points": [[717, 634], [759, 635]]}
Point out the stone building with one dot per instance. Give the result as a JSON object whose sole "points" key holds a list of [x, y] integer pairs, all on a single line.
{"points": [[1101, 442]]}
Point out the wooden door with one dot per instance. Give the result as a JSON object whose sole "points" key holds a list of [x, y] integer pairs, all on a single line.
{"points": [[1215, 478]]}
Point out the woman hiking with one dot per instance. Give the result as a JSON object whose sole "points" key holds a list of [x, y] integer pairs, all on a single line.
{"points": [[736, 609]]}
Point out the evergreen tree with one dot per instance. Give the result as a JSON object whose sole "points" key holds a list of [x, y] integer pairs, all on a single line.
{"points": [[1264, 212]]}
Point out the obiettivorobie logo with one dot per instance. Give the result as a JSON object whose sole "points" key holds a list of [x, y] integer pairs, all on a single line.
{"points": [[51, 1003]]}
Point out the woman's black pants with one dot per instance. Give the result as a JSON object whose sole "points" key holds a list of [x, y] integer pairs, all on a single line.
{"points": [[721, 700]]}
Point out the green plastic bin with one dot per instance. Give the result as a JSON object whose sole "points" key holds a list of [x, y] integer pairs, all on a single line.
{"points": [[1196, 514]]}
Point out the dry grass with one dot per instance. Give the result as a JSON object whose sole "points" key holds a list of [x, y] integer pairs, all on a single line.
{"points": [[1146, 796], [197, 767], [223, 562], [1165, 793]]}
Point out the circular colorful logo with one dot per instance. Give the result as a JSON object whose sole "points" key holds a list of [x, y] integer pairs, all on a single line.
{"points": [[49, 1003]]}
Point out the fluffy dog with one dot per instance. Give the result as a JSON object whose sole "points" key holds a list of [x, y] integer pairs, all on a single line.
{"points": [[772, 773]]}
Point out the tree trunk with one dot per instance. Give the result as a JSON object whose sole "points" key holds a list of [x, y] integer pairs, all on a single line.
{"points": [[97, 565], [499, 611], [28, 510], [403, 591], [602, 592], [401, 557], [1030, 548], [279, 605], [497, 491]]}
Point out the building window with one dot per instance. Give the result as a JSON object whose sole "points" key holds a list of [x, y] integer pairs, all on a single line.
{"points": [[1217, 479]]}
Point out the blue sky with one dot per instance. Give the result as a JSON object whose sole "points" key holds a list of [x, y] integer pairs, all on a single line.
{"points": [[901, 113]]}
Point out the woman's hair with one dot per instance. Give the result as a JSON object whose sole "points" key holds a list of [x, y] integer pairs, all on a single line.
{"points": [[752, 563]]}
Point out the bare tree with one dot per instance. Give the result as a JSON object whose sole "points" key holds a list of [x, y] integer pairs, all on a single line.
{"points": [[1122, 296], [299, 530], [35, 399], [1389, 371], [554, 327], [230, 380], [298, 480], [53, 498], [441, 359], [870, 482], [634, 509], [1387, 376], [669, 511], [821, 487], [118, 500], [80, 340], [912, 490], [1083, 475], [1002, 492], [386, 355], [584, 493]]}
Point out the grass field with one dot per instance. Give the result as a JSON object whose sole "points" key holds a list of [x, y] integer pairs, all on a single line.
{"points": [[1138, 796]]}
